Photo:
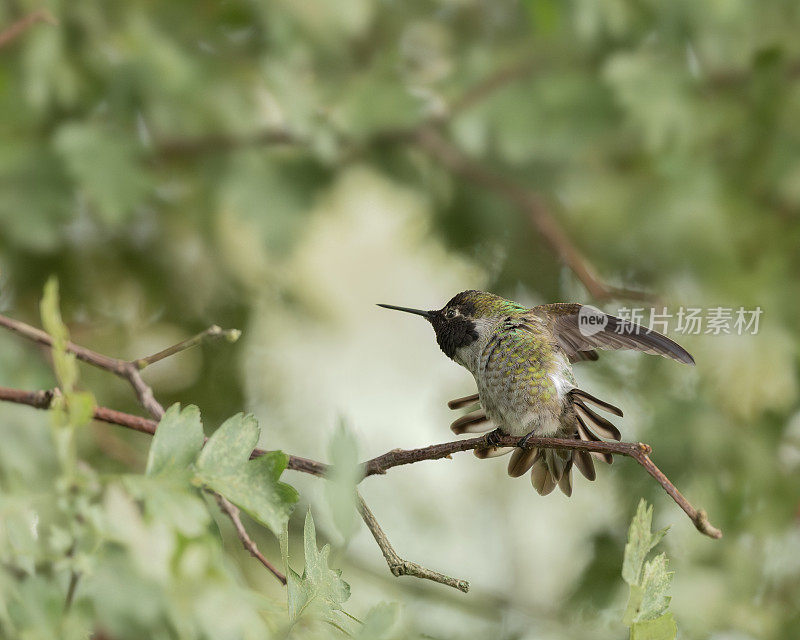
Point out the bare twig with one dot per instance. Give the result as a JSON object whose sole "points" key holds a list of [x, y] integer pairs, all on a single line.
{"points": [[397, 565], [398, 457], [232, 511], [128, 370], [11, 33], [231, 335], [636, 450]]}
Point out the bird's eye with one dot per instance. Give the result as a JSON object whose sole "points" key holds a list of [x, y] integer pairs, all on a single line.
{"points": [[450, 313]]}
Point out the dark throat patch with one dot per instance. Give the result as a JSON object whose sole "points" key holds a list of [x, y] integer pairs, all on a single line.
{"points": [[454, 333]]}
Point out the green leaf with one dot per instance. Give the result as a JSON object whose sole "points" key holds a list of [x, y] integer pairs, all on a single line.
{"points": [[649, 581], [80, 408], [635, 595], [656, 581], [177, 441], [72, 408], [105, 165], [640, 541], [253, 485], [63, 362], [380, 622], [662, 628], [345, 473], [171, 502], [320, 589]]}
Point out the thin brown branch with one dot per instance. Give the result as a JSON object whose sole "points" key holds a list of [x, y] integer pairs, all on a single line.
{"points": [[14, 31], [121, 368], [128, 370], [398, 457], [42, 400], [397, 565], [427, 136], [232, 511], [430, 140], [636, 450]]}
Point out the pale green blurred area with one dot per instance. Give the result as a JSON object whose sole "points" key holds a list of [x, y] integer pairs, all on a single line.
{"points": [[666, 139]]}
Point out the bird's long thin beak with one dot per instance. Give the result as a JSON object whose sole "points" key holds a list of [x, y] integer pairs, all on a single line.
{"points": [[419, 312]]}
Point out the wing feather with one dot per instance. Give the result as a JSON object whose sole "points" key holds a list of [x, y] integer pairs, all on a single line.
{"points": [[616, 334]]}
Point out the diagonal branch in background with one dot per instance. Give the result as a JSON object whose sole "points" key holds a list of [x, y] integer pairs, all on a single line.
{"points": [[428, 137], [398, 457], [15, 30], [430, 140]]}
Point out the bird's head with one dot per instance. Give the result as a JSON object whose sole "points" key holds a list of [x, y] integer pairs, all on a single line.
{"points": [[464, 320]]}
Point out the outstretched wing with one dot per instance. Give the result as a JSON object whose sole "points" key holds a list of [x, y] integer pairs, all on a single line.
{"points": [[616, 333]]}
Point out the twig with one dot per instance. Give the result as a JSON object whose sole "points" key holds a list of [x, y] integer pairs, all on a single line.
{"points": [[430, 140], [42, 400], [232, 511], [130, 371], [398, 457], [231, 335], [11, 33], [397, 565], [636, 450]]}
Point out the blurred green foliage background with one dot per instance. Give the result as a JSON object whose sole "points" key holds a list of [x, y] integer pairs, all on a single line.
{"points": [[258, 165]]}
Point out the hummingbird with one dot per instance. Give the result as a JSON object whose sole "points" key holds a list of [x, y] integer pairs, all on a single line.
{"points": [[521, 359]]}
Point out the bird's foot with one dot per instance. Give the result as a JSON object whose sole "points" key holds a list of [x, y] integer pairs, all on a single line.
{"points": [[493, 438], [523, 441]]}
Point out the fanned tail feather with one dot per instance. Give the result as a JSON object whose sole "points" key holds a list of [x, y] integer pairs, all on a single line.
{"points": [[602, 404], [460, 403], [548, 467], [492, 452], [475, 422], [552, 467]]}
